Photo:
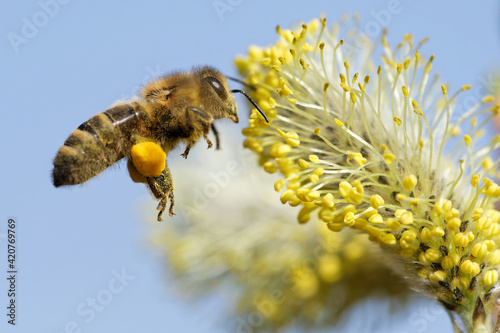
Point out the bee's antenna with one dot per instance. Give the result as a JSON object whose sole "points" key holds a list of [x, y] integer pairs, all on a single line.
{"points": [[251, 101], [242, 82]]}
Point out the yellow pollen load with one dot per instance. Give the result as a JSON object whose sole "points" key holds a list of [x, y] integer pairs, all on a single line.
{"points": [[148, 158]]}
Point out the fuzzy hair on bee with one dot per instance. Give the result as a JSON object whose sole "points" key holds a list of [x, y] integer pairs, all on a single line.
{"points": [[177, 108]]}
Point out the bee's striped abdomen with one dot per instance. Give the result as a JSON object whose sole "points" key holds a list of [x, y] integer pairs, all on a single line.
{"points": [[95, 145]]}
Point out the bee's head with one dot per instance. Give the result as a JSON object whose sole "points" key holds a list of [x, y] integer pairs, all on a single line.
{"points": [[215, 94]]}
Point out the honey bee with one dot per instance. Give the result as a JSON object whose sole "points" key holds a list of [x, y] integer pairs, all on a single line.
{"points": [[176, 108]]}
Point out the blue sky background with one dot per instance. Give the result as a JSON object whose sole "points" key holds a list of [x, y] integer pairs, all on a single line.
{"points": [[87, 55]]}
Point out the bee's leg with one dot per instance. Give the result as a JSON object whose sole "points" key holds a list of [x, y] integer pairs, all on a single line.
{"points": [[163, 189], [217, 142], [186, 151], [205, 135], [204, 118]]}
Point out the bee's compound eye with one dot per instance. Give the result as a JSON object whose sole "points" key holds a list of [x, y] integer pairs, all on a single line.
{"points": [[217, 86]]}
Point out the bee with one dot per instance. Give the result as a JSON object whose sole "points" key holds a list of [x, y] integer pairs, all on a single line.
{"points": [[177, 108]]}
